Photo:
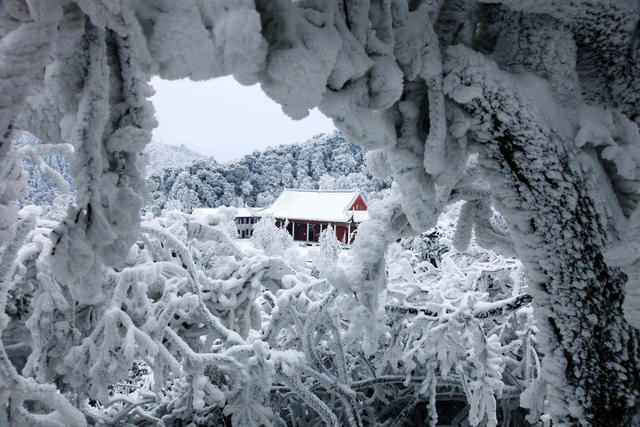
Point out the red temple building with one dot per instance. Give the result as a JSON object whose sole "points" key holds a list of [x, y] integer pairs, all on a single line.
{"points": [[307, 212]]}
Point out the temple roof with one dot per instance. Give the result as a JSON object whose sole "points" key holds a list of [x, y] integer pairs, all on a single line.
{"points": [[315, 205]]}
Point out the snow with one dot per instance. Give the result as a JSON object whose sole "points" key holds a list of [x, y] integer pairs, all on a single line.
{"points": [[360, 216], [543, 94], [313, 205], [248, 212], [204, 213], [162, 156]]}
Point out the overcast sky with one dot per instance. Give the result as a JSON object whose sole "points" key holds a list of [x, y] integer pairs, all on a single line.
{"points": [[226, 120]]}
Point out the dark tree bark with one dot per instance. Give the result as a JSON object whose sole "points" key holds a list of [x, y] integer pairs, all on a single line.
{"points": [[545, 189]]}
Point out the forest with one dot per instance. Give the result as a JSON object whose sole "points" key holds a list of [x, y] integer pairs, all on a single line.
{"points": [[497, 281], [182, 179], [327, 162]]}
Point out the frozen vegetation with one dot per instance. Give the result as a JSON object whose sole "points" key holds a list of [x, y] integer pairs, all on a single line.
{"points": [[327, 162], [162, 156], [53, 200], [194, 328], [42, 188], [510, 125], [183, 179]]}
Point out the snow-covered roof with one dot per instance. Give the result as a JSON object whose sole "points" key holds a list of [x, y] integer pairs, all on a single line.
{"points": [[248, 212], [240, 212], [313, 205], [360, 216]]}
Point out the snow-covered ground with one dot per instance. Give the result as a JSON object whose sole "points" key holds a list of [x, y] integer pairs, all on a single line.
{"points": [[305, 250]]}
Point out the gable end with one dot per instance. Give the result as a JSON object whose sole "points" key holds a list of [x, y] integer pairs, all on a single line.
{"points": [[358, 205]]}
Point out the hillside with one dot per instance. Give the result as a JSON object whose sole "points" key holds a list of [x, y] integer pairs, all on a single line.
{"points": [[325, 161], [162, 156], [184, 179]]}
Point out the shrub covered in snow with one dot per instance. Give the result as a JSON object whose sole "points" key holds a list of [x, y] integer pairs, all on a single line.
{"points": [[193, 329], [271, 239], [329, 251]]}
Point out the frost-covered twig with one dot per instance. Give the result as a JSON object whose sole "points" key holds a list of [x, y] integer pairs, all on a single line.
{"points": [[481, 310], [185, 256], [35, 152], [313, 401], [397, 379], [130, 405], [409, 310], [489, 309]]}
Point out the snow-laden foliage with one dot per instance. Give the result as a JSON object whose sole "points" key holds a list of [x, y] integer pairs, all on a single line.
{"points": [[328, 162], [529, 108], [329, 253], [194, 329], [186, 311], [46, 190], [271, 239], [162, 156]]}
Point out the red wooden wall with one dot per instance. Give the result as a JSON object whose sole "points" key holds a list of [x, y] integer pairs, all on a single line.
{"points": [[358, 205]]}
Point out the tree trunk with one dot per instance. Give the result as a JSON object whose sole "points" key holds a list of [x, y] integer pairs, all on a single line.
{"points": [[551, 195]]}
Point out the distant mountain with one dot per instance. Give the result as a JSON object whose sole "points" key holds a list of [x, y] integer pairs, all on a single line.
{"points": [[326, 161], [162, 156]]}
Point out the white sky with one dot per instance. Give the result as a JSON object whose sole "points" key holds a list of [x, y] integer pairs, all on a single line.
{"points": [[226, 120]]}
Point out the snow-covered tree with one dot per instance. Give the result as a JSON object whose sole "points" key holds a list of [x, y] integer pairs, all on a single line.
{"points": [[326, 182], [43, 185], [526, 107], [329, 252], [269, 238], [264, 199], [246, 188], [268, 172]]}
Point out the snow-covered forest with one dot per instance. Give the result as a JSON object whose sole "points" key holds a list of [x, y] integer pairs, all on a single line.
{"points": [[182, 179], [496, 283], [327, 162], [163, 156]]}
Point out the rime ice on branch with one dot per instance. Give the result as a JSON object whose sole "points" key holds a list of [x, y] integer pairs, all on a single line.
{"points": [[529, 107]]}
